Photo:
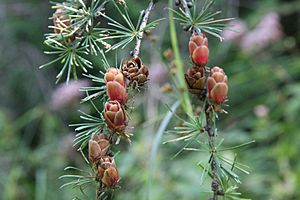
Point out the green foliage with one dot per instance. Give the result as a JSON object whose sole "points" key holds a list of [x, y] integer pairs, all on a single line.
{"points": [[99, 90], [69, 57], [124, 33], [192, 131], [35, 140], [201, 20], [77, 39], [87, 33], [87, 129], [179, 81]]}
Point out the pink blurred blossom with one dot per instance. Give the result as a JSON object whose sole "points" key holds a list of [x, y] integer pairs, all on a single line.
{"points": [[236, 30], [267, 31], [67, 94], [261, 111], [157, 73]]}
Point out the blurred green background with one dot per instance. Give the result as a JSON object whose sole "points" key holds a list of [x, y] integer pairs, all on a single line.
{"points": [[262, 62]]}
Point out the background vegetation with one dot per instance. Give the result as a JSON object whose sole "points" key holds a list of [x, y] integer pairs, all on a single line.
{"points": [[264, 98]]}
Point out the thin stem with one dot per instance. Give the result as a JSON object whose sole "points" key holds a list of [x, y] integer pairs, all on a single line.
{"points": [[186, 8], [211, 134], [186, 103], [97, 192], [187, 12], [140, 34]]}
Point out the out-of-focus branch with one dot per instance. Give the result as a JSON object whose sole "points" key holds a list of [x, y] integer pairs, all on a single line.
{"points": [[185, 6], [211, 134], [140, 35]]}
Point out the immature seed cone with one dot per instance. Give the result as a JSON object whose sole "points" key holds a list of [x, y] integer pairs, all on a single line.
{"points": [[98, 147], [135, 71], [115, 85], [107, 172], [195, 78], [199, 52], [61, 21], [115, 116], [217, 85]]}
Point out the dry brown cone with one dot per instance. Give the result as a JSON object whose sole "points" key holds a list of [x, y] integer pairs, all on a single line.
{"points": [[135, 72], [195, 79]]}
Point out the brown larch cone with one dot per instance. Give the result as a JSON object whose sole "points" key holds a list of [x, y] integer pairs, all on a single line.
{"points": [[135, 71]]}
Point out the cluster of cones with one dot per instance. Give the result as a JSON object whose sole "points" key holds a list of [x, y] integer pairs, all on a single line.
{"points": [[106, 169], [133, 73], [215, 86]]}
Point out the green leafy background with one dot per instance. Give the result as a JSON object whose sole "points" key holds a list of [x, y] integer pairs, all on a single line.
{"points": [[36, 141]]}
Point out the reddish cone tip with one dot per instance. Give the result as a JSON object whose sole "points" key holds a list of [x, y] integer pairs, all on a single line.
{"points": [[217, 86], [199, 52]]}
